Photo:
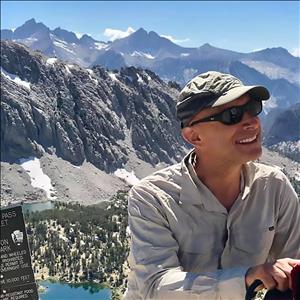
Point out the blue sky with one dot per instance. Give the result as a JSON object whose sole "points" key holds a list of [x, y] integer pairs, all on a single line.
{"points": [[241, 26]]}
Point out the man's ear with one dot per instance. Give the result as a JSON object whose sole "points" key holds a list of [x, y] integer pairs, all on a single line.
{"points": [[191, 136]]}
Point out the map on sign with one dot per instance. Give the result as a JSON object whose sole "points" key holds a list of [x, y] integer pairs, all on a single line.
{"points": [[16, 274]]}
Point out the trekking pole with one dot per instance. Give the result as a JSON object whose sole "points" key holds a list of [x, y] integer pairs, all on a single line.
{"points": [[251, 293]]}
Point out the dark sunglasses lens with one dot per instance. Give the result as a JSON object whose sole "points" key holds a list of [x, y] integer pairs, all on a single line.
{"points": [[255, 107], [235, 114], [232, 116]]}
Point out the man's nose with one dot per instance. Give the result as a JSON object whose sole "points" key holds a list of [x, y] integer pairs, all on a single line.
{"points": [[250, 122]]}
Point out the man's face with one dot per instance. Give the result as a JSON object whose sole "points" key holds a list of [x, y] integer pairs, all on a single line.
{"points": [[236, 143]]}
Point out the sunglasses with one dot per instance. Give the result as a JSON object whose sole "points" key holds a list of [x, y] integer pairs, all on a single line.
{"points": [[234, 114]]}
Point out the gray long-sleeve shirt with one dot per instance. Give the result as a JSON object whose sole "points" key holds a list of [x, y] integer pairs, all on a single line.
{"points": [[184, 243]]}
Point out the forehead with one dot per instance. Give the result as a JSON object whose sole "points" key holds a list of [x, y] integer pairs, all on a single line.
{"points": [[214, 110]]}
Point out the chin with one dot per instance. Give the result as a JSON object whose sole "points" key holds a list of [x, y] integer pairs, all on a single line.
{"points": [[254, 153], [250, 152]]}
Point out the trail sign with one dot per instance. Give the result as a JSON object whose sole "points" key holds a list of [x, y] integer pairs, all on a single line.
{"points": [[16, 274]]}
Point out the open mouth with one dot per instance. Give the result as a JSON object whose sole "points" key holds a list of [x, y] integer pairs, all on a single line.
{"points": [[249, 140]]}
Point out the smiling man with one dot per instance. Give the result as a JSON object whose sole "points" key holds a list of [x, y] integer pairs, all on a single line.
{"points": [[208, 227]]}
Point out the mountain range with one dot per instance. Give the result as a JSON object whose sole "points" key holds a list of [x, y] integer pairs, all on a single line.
{"points": [[150, 50], [112, 105], [109, 119], [85, 114], [275, 68]]}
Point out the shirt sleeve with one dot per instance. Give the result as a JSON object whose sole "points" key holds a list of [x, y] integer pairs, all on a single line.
{"points": [[154, 261], [286, 241]]}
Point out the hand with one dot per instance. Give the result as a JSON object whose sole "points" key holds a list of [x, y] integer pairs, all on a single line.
{"points": [[273, 275]]}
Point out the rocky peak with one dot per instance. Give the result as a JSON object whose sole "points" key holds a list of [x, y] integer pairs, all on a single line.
{"points": [[87, 40], [274, 50], [141, 32], [277, 56], [150, 43], [18, 60], [28, 28], [206, 46], [67, 36], [100, 116]]}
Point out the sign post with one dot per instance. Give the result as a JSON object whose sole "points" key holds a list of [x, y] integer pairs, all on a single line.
{"points": [[16, 274]]}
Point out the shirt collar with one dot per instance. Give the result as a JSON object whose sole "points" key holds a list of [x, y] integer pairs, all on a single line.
{"points": [[247, 180], [189, 193], [192, 187]]}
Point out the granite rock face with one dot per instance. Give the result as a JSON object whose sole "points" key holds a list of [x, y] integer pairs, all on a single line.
{"points": [[85, 114], [285, 127], [284, 134]]}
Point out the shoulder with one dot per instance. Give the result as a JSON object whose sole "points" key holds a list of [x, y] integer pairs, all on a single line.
{"points": [[158, 188], [162, 179], [152, 194], [269, 178], [265, 172]]}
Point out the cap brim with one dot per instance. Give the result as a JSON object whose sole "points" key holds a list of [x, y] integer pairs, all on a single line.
{"points": [[255, 91]]}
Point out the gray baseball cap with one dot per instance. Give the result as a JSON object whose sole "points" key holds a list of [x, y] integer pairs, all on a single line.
{"points": [[213, 89]]}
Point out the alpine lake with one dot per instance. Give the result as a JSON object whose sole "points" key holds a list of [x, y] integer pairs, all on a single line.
{"points": [[72, 291], [51, 290]]}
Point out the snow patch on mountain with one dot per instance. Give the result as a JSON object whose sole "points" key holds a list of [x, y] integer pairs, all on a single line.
{"points": [[51, 61], [142, 54], [100, 46], [38, 179], [91, 73], [63, 45], [140, 79], [15, 79], [149, 56], [28, 41], [273, 71], [68, 70], [128, 177], [113, 76]]}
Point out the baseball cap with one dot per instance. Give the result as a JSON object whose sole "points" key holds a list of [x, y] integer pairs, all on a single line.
{"points": [[213, 89]]}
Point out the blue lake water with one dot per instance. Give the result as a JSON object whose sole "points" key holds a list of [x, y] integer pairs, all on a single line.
{"points": [[37, 206], [64, 291]]}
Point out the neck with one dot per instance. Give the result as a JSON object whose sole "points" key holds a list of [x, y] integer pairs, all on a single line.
{"points": [[223, 180]]}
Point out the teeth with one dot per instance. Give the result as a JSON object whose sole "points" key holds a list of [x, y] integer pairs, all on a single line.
{"points": [[247, 140]]}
